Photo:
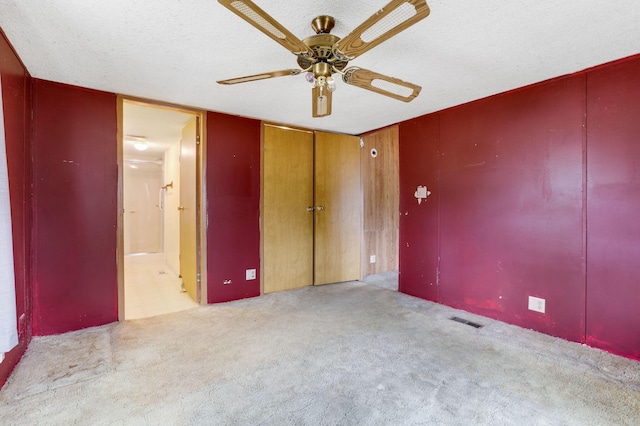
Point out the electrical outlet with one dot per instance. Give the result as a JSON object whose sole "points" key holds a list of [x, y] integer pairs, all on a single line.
{"points": [[251, 274], [372, 258], [537, 304]]}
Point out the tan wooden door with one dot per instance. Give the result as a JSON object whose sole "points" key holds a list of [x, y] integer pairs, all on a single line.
{"points": [[287, 222], [188, 205], [338, 200]]}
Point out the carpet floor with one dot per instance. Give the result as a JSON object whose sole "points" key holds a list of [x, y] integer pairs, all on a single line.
{"points": [[355, 353]]}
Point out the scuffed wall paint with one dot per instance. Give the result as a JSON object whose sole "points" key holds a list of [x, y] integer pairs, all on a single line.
{"points": [[511, 207], [75, 208], [233, 206], [515, 216], [613, 199], [419, 222]]}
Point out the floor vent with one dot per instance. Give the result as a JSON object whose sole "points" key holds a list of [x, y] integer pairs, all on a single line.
{"points": [[464, 321]]}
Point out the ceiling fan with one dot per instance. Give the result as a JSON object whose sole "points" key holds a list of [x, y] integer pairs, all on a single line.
{"points": [[324, 54]]}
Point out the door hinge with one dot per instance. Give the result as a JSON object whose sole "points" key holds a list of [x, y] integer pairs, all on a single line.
{"points": [[198, 277], [361, 142]]}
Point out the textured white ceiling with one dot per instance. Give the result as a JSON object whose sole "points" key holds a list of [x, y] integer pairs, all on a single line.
{"points": [[175, 50]]}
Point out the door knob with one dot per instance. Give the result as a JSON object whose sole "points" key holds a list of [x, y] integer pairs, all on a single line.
{"points": [[180, 208]]}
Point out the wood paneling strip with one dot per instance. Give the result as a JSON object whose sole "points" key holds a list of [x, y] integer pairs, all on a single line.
{"points": [[381, 200]]}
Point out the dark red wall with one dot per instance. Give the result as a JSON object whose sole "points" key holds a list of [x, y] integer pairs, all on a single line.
{"points": [[613, 142], [16, 99], [512, 206], [506, 218], [75, 194], [75, 207], [419, 222], [233, 206]]}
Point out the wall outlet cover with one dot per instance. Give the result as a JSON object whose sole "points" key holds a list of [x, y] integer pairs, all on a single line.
{"points": [[537, 304], [250, 274], [372, 258]]}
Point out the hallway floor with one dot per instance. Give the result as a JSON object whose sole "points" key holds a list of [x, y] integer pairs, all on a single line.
{"points": [[151, 288]]}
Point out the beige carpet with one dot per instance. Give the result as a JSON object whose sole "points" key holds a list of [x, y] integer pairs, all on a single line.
{"points": [[353, 353]]}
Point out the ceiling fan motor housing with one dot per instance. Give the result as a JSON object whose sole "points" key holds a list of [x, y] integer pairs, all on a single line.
{"points": [[321, 45]]}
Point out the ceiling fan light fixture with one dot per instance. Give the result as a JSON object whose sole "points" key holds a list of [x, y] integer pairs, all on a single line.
{"points": [[310, 77], [322, 55], [331, 84]]}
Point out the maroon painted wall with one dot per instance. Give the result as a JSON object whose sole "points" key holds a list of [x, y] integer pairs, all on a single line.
{"points": [[418, 250], [233, 206], [613, 149], [75, 187], [74, 221], [512, 206], [16, 99]]}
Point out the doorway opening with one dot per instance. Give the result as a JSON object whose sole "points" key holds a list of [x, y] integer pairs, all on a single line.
{"points": [[159, 247]]}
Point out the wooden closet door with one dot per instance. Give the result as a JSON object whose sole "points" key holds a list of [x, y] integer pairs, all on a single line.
{"points": [[287, 224], [338, 217]]}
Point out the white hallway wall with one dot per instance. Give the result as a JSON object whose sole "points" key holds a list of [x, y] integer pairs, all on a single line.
{"points": [[142, 217]]}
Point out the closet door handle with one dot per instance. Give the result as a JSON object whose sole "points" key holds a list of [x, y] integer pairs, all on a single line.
{"points": [[181, 208], [310, 209], [319, 208]]}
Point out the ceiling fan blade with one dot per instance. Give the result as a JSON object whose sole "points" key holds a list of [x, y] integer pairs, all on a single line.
{"points": [[260, 19], [382, 84], [262, 76], [320, 101], [384, 24]]}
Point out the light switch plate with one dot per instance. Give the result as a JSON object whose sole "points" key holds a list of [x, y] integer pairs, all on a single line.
{"points": [[372, 258]]}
